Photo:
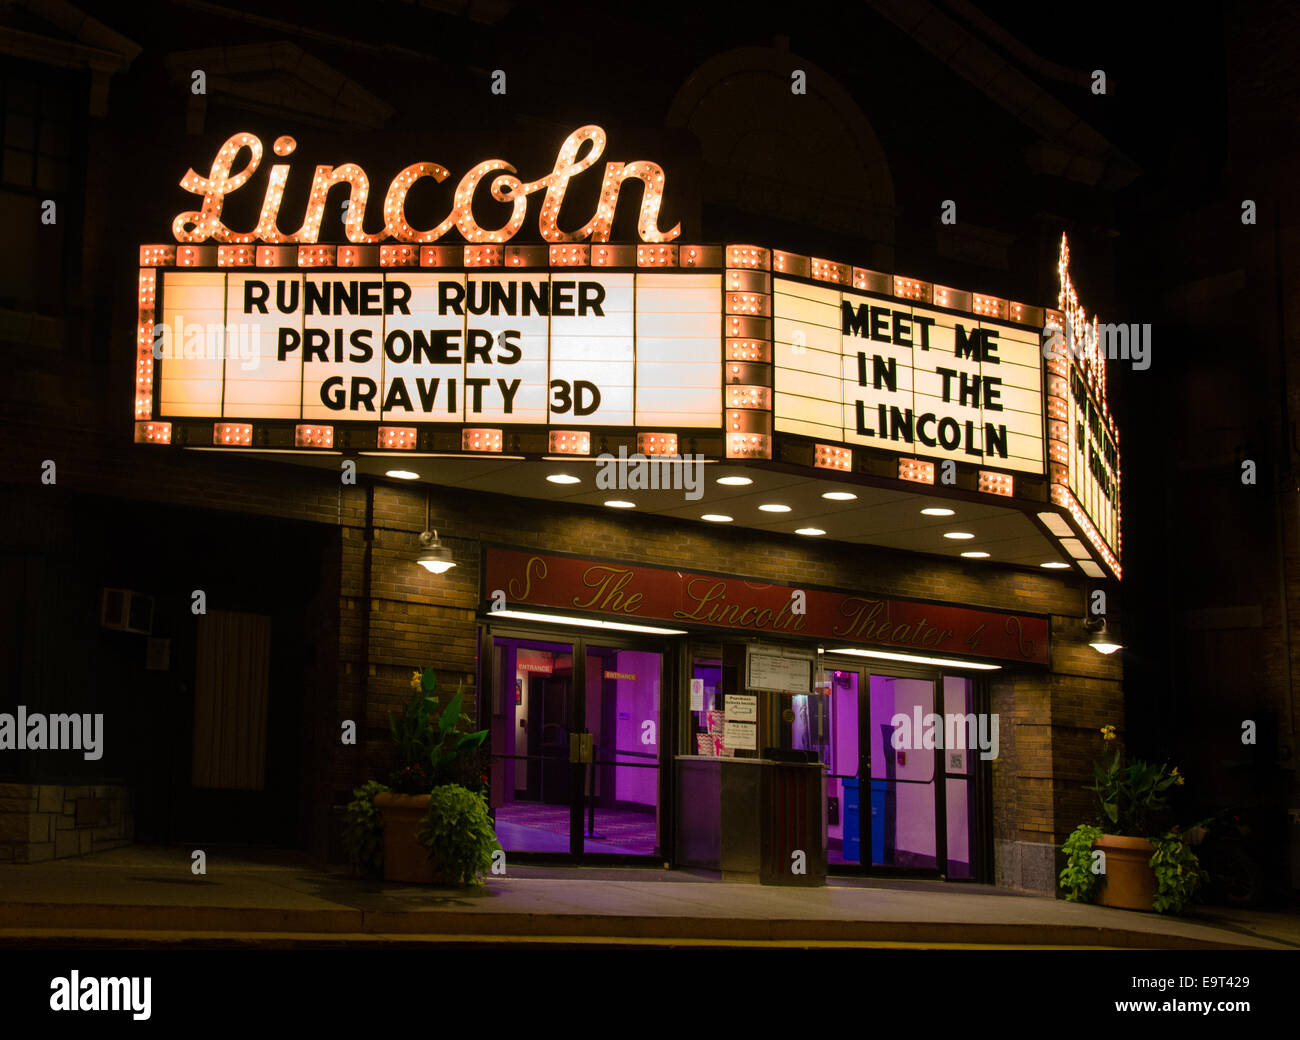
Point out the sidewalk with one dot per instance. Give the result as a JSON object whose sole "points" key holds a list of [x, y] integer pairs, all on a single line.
{"points": [[142, 896]]}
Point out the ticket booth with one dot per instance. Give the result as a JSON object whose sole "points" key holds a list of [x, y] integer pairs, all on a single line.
{"points": [[749, 804]]}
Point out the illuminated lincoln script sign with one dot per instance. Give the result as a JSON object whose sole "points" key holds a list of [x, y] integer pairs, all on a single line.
{"points": [[204, 223]]}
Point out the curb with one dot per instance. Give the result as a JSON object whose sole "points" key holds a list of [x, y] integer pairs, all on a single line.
{"points": [[17, 920]]}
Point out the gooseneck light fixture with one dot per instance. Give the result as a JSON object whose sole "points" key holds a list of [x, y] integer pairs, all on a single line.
{"points": [[1104, 639], [434, 556]]}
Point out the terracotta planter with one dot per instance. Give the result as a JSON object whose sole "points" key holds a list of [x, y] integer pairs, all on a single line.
{"points": [[1130, 882], [405, 859]]}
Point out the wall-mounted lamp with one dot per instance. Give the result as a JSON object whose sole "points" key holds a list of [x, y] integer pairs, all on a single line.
{"points": [[434, 556], [1104, 640]]}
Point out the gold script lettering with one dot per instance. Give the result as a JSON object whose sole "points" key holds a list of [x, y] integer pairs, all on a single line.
{"points": [[608, 583], [702, 599], [861, 614], [1025, 650], [536, 566]]}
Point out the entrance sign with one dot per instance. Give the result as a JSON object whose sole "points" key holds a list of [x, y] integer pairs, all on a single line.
{"points": [[651, 593]]}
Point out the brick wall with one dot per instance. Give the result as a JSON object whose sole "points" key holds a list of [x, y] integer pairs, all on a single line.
{"points": [[1049, 719]]}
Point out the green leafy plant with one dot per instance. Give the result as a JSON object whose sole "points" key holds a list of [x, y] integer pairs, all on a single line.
{"points": [[1178, 873], [428, 743], [1078, 879], [459, 836], [363, 829], [1131, 796]]}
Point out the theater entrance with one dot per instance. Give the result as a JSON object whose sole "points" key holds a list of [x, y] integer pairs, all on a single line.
{"points": [[894, 805], [575, 745]]}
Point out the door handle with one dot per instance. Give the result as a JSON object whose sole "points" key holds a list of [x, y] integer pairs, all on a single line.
{"points": [[580, 749]]}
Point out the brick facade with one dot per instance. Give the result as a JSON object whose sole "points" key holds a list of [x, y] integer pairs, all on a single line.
{"points": [[69, 353], [1049, 718]]}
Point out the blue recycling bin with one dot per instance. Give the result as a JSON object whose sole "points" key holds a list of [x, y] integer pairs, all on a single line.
{"points": [[879, 795], [852, 835]]}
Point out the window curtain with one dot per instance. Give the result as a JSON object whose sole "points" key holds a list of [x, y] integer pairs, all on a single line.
{"points": [[232, 684]]}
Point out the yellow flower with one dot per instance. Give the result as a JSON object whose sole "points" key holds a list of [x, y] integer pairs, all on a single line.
{"points": [[1178, 777], [1108, 732], [415, 680]]}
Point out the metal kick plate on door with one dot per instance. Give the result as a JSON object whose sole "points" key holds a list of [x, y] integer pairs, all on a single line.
{"points": [[580, 746]]}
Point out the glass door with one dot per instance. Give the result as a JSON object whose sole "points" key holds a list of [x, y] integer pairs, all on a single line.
{"points": [[621, 712], [575, 739], [844, 768], [906, 813], [533, 714], [901, 772]]}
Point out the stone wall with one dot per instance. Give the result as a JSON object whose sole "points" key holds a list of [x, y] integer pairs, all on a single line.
{"points": [[55, 821]]}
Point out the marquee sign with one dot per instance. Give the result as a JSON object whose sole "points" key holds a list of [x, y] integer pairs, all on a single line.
{"points": [[863, 369], [1084, 440], [403, 339], [603, 348], [657, 594]]}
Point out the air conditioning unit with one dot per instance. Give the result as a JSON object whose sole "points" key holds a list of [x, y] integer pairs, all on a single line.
{"points": [[125, 611]]}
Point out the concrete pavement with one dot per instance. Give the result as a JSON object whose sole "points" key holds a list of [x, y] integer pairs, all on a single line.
{"points": [[148, 895]]}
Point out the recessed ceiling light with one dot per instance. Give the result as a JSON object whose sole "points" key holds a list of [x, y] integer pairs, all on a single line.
{"points": [[957, 534], [810, 531], [772, 507], [1055, 565], [975, 555], [618, 503], [564, 478], [716, 518], [936, 511], [402, 474], [735, 481], [839, 496]]}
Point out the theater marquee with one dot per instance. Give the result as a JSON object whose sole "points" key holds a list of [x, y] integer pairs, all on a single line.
{"points": [[610, 349], [456, 338], [871, 370]]}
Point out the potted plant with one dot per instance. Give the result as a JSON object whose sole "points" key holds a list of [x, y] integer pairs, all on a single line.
{"points": [[1146, 867], [363, 832], [433, 750], [458, 834]]}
